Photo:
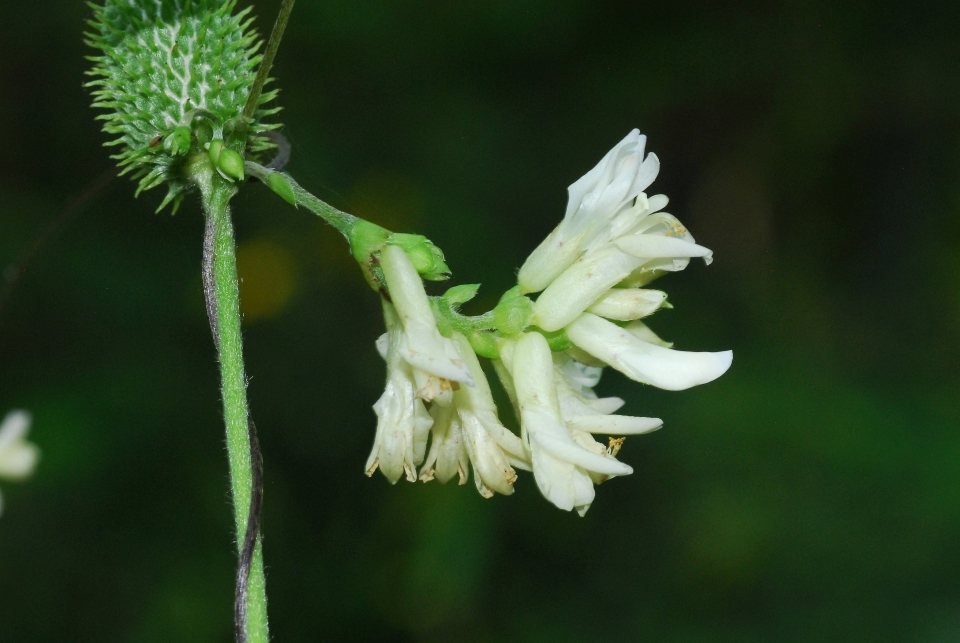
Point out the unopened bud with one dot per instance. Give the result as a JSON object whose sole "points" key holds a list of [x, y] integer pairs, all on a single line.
{"points": [[513, 314], [230, 164], [216, 147], [484, 345], [279, 184], [178, 143], [426, 257]]}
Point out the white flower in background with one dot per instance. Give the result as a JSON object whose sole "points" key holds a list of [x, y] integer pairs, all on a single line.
{"points": [[17, 456], [470, 433]]}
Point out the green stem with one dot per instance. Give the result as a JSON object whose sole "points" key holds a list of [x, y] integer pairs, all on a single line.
{"points": [[339, 219], [223, 306], [273, 44]]}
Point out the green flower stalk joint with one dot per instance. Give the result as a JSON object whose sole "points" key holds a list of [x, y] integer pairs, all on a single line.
{"points": [[177, 80]]}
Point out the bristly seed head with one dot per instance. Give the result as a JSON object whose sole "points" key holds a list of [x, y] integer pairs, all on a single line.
{"points": [[174, 75]]}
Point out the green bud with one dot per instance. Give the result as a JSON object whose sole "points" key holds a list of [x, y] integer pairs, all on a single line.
{"points": [[178, 143], [459, 295], [510, 294], [231, 164], [279, 184], [216, 147], [557, 340], [484, 345], [512, 316], [426, 257]]}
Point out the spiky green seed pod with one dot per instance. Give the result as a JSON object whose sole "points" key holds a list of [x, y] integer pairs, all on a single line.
{"points": [[176, 72]]}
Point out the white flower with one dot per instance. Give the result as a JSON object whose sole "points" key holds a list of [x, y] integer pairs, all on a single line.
{"points": [[562, 466], [17, 456], [650, 244], [421, 344], [403, 423], [593, 201], [644, 361], [470, 432]]}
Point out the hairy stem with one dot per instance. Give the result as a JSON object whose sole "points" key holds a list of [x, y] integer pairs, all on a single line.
{"points": [[223, 307], [339, 219]]}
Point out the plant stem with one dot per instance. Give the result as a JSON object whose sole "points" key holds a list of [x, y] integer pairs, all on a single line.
{"points": [[339, 219], [273, 44], [223, 307]]}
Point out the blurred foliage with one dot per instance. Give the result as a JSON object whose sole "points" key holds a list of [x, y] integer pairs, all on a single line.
{"points": [[812, 493]]}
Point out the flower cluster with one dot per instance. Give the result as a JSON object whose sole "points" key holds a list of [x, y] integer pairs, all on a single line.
{"points": [[17, 456], [549, 353]]}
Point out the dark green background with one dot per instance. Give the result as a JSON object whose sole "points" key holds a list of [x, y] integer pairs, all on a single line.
{"points": [[810, 494]]}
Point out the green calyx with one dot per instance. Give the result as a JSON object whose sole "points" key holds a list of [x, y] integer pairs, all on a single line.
{"points": [[514, 313], [427, 258], [174, 75], [368, 239]]}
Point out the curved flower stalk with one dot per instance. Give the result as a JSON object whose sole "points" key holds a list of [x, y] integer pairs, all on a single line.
{"points": [[18, 458]]}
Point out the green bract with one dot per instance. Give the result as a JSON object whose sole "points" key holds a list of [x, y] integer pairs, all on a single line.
{"points": [[174, 75]]}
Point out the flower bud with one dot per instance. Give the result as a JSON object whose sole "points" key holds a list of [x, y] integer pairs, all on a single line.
{"points": [[513, 314], [426, 257], [216, 147], [230, 164], [279, 184], [178, 143]]}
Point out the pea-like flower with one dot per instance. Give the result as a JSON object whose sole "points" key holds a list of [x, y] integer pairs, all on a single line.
{"points": [[549, 354], [17, 456], [421, 367], [563, 466], [470, 433]]}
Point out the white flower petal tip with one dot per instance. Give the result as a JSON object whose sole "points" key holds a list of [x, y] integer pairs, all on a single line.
{"points": [[628, 304], [18, 458], [569, 451], [653, 246], [614, 424], [661, 367]]}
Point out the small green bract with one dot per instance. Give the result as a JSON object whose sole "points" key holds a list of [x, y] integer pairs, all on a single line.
{"points": [[174, 75]]}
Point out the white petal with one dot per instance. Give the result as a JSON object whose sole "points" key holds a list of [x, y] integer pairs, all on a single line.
{"points": [[491, 469], [627, 304], [601, 173], [566, 449], [14, 428], [641, 331], [662, 367], [657, 202], [646, 174], [580, 285], [653, 246], [554, 254], [18, 460], [614, 424], [423, 345], [607, 405]]}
